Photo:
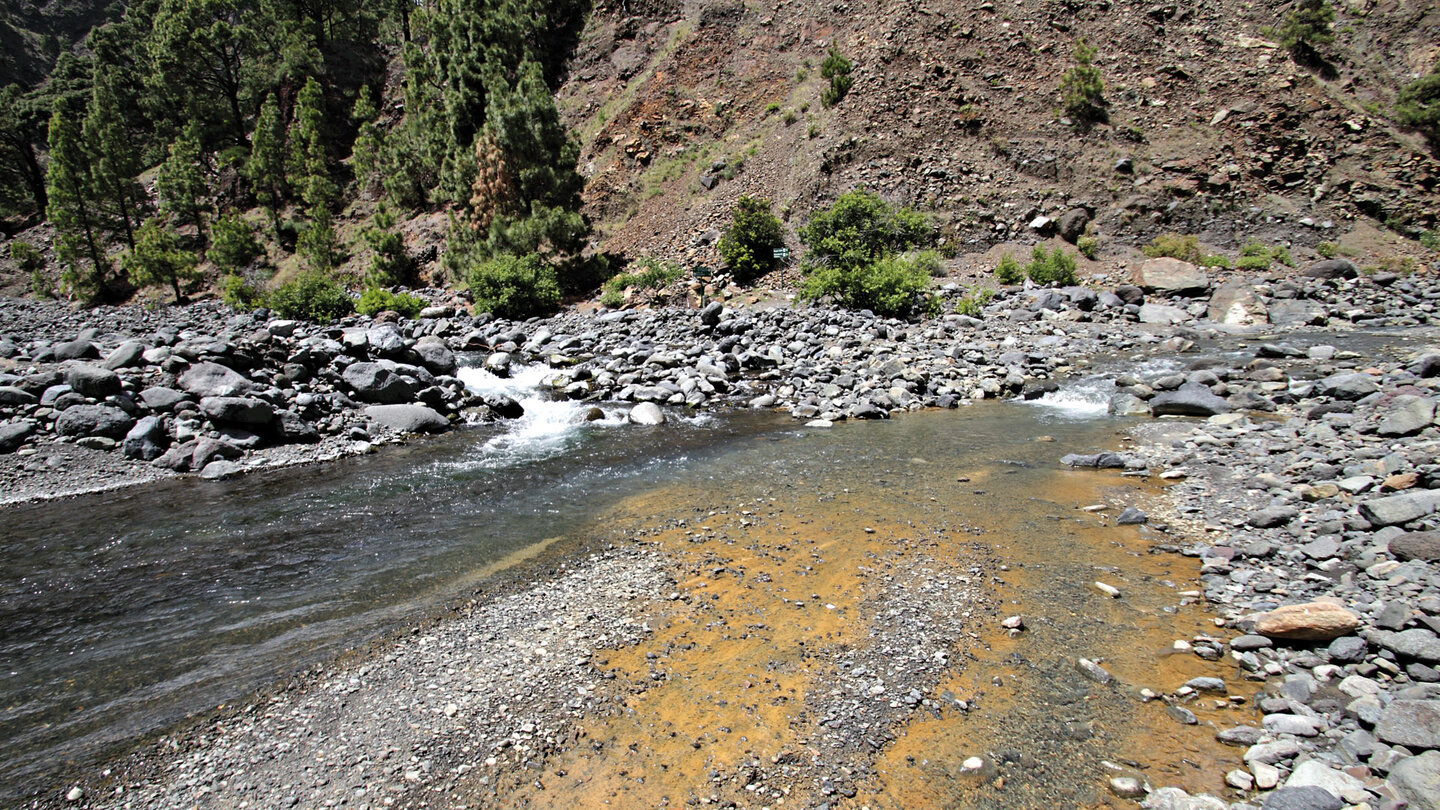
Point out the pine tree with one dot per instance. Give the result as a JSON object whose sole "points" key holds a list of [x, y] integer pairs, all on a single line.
{"points": [[266, 167], [181, 181], [71, 210], [157, 259], [366, 151], [200, 51], [116, 160], [20, 166], [317, 190]]}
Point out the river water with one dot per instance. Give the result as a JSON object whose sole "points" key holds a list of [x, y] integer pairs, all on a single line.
{"points": [[124, 612]]}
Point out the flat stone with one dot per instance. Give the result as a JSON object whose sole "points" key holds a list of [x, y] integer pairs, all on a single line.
{"points": [[1170, 277], [1311, 621], [1418, 779], [1272, 517], [242, 411], [1302, 798], [1163, 314], [127, 354], [1171, 798], [1416, 546], [159, 398], [1349, 386], [407, 418], [1397, 510], [1411, 723], [1189, 399], [214, 380], [1408, 414], [1314, 773], [1289, 724], [1417, 642]]}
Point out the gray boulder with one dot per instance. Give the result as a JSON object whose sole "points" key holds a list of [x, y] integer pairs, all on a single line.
{"points": [[1331, 268], [1169, 276], [1418, 779], [127, 354], [12, 396], [80, 349], [146, 441], [1416, 546], [1418, 643], [289, 428], [215, 380], [385, 340], [377, 384], [14, 434], [1308, 797], [435, 356], [498, 363], [1189, 399], [241, 411], [1163, 314], [1408, 414], [1072, 224], [1236, 303], [1127, 405], [1397, 510], [94, 420], [92, 381], [646, 413], [1348, 386], [407, 418], [1294, 312], [159, 398], [711, 312], [1412, 723]]}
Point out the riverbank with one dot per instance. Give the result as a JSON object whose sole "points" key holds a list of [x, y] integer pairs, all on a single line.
{"points": [[1308, 480]]}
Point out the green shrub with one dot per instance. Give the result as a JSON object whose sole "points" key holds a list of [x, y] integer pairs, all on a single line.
{"points": [[1306, 26], [1088, 246], [772, 108], [1175, 246], [1215, 260], [158, 260], [389, 263], [972, 304], [748, 244], [1052, 267], [1418, 106], [514, 287], [232, 244], [1082, 89], [813, 132], [837, 69], [28, 260], [378, 299], [1260, 256], [312, 296], [1327, 249], [241, 294], [1431, 240], [929, 261], [649, 273], [860, 227], [887, 286], [1009, 271], [613, 299], [790, 117]]}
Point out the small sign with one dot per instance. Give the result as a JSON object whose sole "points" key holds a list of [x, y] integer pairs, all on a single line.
{"points": [[782, 253]]}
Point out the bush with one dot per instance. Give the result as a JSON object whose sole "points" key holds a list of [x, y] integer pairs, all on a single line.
{"points": [[389, 264], [157, 259], [749, 243], [1327, 249], [650, 273], [1306, 26], [859, 228], [1418, 107], [1082, 89], [1431, 240], [241, 294], [1259, 256], [1009, 271], [1088, 246], [973, 303], [837, 69], [312, 296], [1215, 260], [1184, 248], [1053, 267], [514, 287], [232, 244], [378, 299], [888, 286]]}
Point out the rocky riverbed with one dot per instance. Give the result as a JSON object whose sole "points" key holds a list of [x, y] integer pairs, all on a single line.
{"points": [[1308, 493]]}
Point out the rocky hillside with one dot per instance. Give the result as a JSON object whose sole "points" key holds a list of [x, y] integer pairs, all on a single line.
{"points": [[1213, 129], [33, 33]]}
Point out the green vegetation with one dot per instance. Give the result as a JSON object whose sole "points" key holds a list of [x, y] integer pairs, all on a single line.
{"points": [[972, 304], [1430, 239], [242, 294], [312, 296], [1009, 271], [158, 260], [1051, 267], [232, 244], [1307, 25], [836, 68], [1327, 249], [648, 273], [1082, 89], [1418, 107], [1185, 248], [514, 287], [389, 263], [1088, 246], [1259, 256], [854, 254], [378, 299], [749, 243]]}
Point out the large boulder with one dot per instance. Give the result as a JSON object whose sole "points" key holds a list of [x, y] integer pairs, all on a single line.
{"points": [[1408, 414], [127, 354], [1310, 621], [1416, 546], [646, 413], [1190, 399], [78, 349], [159, 398], [1331, 268], [1072, 224], [1414, 724], [385, 340], [1169, 276], [1163, 314], [94, 420], [407, 418], [289, 428], [373, 382], [14, 434], [215, 380], [1397, 510], [242, 411], [1237, 304], [1294, 312], [1349, 386], [1418, 779], [435, 356], [146, 441], [14, 395], [92, 381]]}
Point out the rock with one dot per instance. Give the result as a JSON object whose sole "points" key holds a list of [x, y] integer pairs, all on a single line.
{"points": [[1416, 546], [436, 357], [1272, 516], [12, 396], [646, 413], [1236, 303], [1093, 671], [1127, 787], [214, 380], [377, 384], [1311, 621], [498, 363], [1349, 386], [1417, 642], [220, 469], [1295, 312], [1331, 269], [1169, 276], [1206, 684], [14, 434], [127, 354], [1427, 366], [289, 428], [1302, 798], [1272, 752], [1163, 314], [146, 441], [1127, 405], [1189, 399], [385, 341], [1408, 414], [94, 420], [407, 418], [1347, 650], [161, 399], [711, 312], [1314, 773], [1289, 724], [241, 411], [1411, 723], [92, 381], [1418, 779], [1396, 510], [1131, 517], [80, 349], [1170, 798], [208, 449], [1239, 735], [1072, 224]]}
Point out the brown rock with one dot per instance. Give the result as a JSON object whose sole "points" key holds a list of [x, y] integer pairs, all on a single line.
{"points": [[1171, 277], [1311, 621], [1399, 481]]}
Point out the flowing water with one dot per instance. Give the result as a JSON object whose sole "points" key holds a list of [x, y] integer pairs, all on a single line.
{"points": [[123, 612]]}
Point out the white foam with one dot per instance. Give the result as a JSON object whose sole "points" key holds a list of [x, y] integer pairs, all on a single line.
{"points": [[548, 426]]}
